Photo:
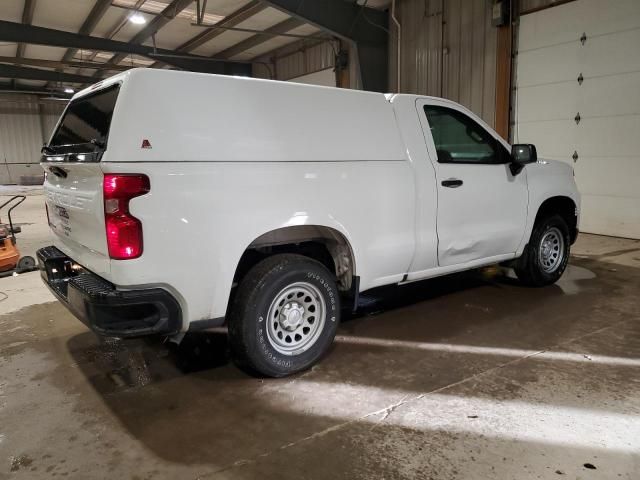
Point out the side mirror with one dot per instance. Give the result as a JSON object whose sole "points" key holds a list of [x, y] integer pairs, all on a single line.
{"points": [[522, 154]]}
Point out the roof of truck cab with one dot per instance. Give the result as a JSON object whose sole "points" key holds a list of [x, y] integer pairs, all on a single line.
{"points": [[391, 97]]}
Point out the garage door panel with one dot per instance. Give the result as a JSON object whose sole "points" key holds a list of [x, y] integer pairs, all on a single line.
{"points": [[548, 65], [610, 136], [605, 55], [607, 136], [530, 108], [547, 28], [610, 54], [605, 96], [607, 215], [565, 23], [606, 16], [552, 139], [608, 176]]}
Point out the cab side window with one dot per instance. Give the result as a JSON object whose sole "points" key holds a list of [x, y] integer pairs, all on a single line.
{"points": [[459, 139]]}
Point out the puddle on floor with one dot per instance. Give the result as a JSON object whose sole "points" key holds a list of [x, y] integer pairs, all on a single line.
{"points": [[570, 280]]}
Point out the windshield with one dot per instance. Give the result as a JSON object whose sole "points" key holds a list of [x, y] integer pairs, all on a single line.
{"points": [[87, 120]]}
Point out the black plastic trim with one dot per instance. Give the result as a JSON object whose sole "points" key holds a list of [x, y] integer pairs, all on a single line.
{"points": [[354, 292], [101, 306], [198, 325], [574, 235]]}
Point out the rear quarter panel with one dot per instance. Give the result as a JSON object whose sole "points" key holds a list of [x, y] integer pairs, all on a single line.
{"points": [[201, 216], [233, 158]]}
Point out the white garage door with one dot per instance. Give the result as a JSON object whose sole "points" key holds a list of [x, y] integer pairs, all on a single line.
{"points": [[325, 77], [578, 100]]}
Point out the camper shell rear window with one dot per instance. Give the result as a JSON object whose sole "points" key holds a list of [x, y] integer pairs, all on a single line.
{"points": [[85, 123]]}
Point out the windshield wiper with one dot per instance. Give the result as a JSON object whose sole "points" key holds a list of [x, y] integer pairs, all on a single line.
{"points": [[98, 143]]}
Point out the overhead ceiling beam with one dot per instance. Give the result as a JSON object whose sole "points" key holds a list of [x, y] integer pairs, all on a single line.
{"points": [[27, 19], [95, 15], [347, 20], [365, 27], [258, 39], [16, 32], [249, 10], [159, 21], [117, 26], [61, 64], [27, 73], [244, 13]]}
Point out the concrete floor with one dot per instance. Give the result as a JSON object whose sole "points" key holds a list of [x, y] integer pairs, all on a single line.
{"points": [[468, 377]]}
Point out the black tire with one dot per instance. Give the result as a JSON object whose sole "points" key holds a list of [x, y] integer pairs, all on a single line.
{"points": [[26, 264], [254, 344], [529, 268]]}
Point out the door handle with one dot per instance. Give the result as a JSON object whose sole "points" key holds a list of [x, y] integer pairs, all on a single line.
{"points": [[58, 172], [452, 183]]}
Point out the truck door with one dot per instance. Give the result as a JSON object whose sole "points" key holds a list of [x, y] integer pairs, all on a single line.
{"points": [[482, 206]]}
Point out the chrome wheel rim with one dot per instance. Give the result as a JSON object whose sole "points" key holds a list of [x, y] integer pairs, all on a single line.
{"points": [[551, 250], [296, 318]]}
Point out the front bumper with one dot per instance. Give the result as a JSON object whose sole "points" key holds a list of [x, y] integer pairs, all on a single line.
{"points": [[103, 308]]}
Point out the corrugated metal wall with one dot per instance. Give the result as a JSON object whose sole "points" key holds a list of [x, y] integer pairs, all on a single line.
{"points": [[448, 49], [50, 114], [295, 60], [25, 124]]}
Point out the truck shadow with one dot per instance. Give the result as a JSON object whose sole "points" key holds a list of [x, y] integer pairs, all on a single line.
{"points": [[200, 351], [204, 350], [474, 298], [189, 405]]}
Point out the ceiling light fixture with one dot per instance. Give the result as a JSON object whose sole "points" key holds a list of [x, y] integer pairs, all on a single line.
{"points": [[137, 18], [68, 90]]}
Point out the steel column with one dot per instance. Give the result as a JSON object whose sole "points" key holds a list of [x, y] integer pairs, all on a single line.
{"points": [[366, 27]]}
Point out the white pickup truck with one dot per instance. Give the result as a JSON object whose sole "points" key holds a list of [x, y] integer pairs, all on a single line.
{"points": [[184, 201]]}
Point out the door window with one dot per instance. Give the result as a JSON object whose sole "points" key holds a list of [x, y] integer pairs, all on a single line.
{"points": [[459, 139]]}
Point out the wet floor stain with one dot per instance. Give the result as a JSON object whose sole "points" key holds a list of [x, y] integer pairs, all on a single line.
{"points": [[20, 462]]}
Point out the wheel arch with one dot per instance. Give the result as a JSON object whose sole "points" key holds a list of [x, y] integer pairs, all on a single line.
{"points": [[565, 207], [319, 242]]}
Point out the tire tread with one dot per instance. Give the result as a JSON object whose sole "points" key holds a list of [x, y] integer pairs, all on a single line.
{"points": [[243, 349], [527, 268]]}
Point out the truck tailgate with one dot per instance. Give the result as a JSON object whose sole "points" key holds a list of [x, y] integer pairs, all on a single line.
{"points": [[76, 213]]}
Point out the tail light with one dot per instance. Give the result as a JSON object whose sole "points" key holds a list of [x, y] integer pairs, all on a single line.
{"points": [[124, 231]]}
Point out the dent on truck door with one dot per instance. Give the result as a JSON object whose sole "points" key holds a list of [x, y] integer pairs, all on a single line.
{"points": [[481, 205]]}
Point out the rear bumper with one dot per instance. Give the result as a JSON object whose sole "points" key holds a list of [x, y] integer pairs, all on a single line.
{"points": [[103, 308]]}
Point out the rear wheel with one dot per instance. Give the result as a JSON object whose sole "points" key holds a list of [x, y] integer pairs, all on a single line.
{"points": [[545, 258], [284, 316]]}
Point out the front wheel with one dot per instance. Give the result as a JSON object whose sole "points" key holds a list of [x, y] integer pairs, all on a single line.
{"points": [[284, 316], [545, 258]]}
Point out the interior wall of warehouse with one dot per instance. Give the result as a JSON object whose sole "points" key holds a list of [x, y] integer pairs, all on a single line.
{"points": [[304, 58], [447, 49], [295, 60], [25, 124]]}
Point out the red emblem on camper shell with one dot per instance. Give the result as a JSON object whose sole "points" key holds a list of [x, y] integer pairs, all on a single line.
{"points": [[145, 143]]}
